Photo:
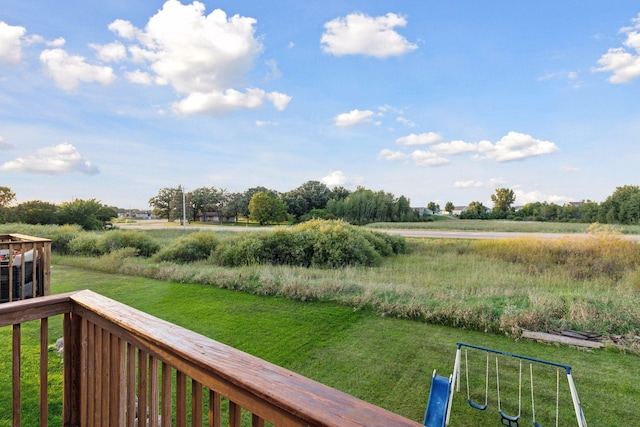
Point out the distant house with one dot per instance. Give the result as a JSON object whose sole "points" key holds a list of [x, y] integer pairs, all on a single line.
{"points": [[214, 216], [457, 210], [423, 211]]}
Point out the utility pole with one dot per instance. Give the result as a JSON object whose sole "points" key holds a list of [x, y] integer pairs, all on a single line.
{"points": [[184, 211]]}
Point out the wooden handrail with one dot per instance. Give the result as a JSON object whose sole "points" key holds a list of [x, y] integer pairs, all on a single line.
{"points": [[119, 364], [274, 394]]}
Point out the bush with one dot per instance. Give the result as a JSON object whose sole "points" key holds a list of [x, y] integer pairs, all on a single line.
{"points": [[85, 244], [118, 239], [190, 248], [62, 236]]}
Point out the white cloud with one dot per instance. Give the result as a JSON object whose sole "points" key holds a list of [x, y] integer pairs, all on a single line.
{"points": [[353, 117], [11, 43], [623, 62], [419, 139], [390, 155], [5, 145], [139, 77], [112, 52], [261, 123], [202, 56], [359, 34], [427, 158], [335, 179], [274, 72], [405, 122], [60, 159], [221, 102], [516, 146], [492, 183], [69, 70], [455, 147], [524, 197]]}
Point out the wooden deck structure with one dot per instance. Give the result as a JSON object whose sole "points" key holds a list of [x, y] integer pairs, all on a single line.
{"points": [[25, 266], [123, 367]]}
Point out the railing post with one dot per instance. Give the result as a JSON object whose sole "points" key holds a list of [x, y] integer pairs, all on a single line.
{"points": [[72, 369]]}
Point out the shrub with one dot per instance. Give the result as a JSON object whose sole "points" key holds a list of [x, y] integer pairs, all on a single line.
{"points": [[118, 239], [317, 243], [190, 248], [61, 237], [85, 244]]}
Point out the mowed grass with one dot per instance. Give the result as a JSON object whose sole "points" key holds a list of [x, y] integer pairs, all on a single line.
{"points": [[386, 361]]}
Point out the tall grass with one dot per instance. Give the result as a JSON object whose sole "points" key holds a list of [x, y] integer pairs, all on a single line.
{"points": [[492, 286], [501, 226]]}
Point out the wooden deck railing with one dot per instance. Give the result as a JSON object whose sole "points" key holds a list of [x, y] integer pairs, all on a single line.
{"points": [[123, 367], [25, 264]]}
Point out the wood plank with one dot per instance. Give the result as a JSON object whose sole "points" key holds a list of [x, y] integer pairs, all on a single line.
{"points": [[543, 336], [181, 399], [15, 363], [154, 390], [215, 410], [98, 376], [196, 404], [167, 397], [235, 415], [44, 372], [91, 375], [143, 385], [275, 394], [131, 385]]}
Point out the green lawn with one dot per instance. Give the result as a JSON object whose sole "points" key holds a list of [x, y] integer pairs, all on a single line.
{"points": [[386, 361]]}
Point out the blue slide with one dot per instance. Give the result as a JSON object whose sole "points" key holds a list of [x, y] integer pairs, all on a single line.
{"points": [[438, 401]]}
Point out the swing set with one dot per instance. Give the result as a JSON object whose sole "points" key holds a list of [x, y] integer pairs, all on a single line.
{"points": [[439, 406]]}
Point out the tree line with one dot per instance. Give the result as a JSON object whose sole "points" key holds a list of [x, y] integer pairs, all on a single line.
{"points": [[313, 199], [89, 214], [621, 207]]}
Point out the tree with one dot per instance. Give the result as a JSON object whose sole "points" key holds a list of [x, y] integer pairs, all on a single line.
{"points": [[231, 208], [6, 198], [266, 208], [36, 212], [433, 207], [475, 210], [164, 203], [339, 193], [449, 207], [89, 214], [623, 206], [502, 200], [207, 199], [310, 195], [246, 198]]}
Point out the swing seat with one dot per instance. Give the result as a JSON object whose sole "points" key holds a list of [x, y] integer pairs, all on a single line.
{"points": [[535, 424], [508, 420], [477, 406]]}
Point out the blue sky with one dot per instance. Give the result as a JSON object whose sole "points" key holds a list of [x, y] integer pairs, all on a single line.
{"points": [[437, 101]]}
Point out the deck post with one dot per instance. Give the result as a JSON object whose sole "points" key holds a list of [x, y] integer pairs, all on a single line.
{"points": [[71, 333]]}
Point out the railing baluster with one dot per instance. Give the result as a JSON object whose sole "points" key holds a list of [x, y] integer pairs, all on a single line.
{"points": [[256, 421], [181, 399], [152, 417], [118, 396], [99, 374], [15, 356], [91, 375], [214, 409], [196, 403], [84, 371], [44, 372], [143, 378], [106, 376], [131, 385], [166, 394], [235, 415]]}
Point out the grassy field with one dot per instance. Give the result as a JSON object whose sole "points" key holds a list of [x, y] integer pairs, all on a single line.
{"points": [[490, 286], [384, 360], [501, 225]]}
